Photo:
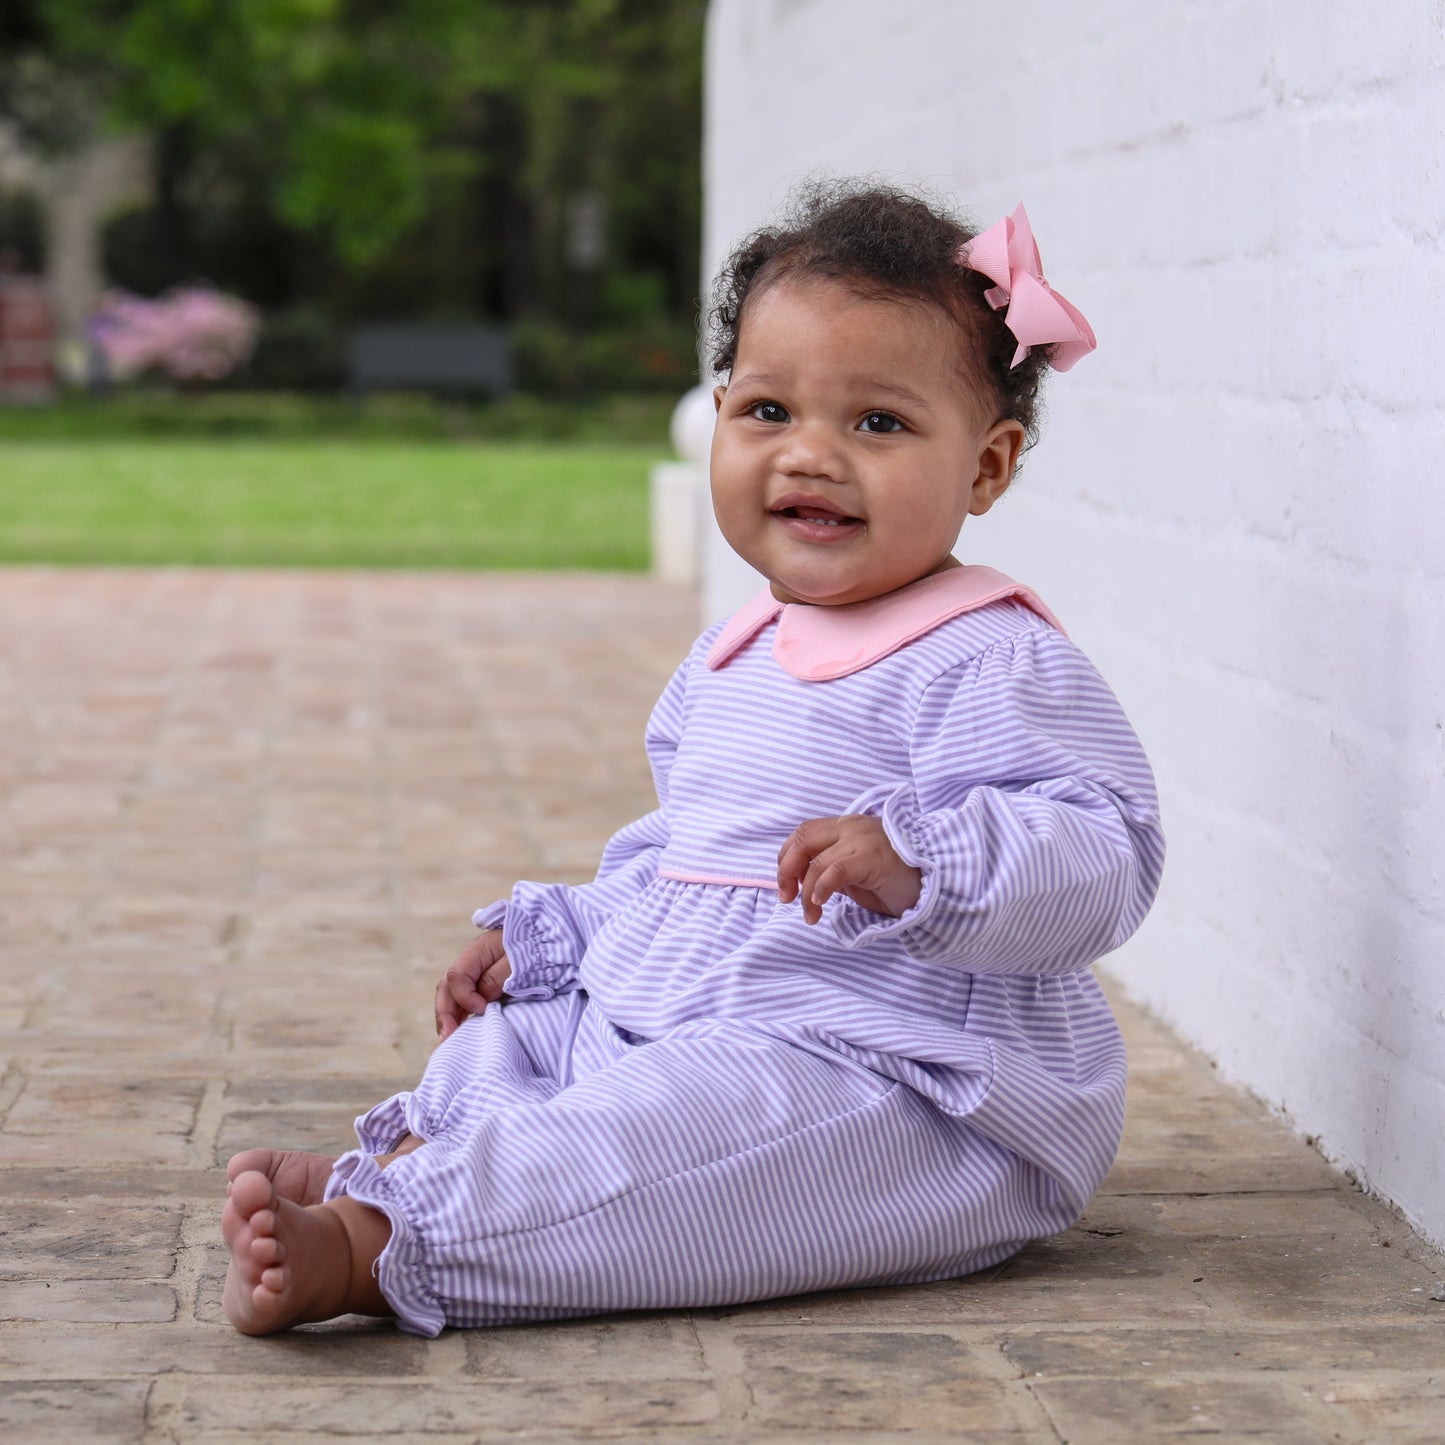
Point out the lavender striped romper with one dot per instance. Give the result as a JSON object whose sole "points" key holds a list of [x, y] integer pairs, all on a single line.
{"points": [[693, 1098]]}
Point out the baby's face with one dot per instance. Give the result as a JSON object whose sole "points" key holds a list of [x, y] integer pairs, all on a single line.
{"points": [[847, 451]]}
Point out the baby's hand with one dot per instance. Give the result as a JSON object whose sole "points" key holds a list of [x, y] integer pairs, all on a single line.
{"points": [[849, 855], [472, 982]]}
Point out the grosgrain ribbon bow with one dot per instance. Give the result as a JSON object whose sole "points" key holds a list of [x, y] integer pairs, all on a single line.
{"points": [[1037, 315]]}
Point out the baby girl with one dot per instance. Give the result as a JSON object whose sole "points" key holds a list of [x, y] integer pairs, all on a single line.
{"points": [[825, 1017]]}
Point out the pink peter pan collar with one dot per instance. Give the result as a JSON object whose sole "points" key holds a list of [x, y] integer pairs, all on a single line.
{"points": [[818, 644]]}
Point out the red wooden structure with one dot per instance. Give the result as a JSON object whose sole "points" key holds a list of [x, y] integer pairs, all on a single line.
{"points": [[27, 340]]}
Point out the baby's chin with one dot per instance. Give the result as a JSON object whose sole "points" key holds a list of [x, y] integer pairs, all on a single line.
{"points": [[810, 598], [856, 592]]}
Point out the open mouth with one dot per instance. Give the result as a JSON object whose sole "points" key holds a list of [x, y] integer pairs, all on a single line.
{"points": [[812, 519]]}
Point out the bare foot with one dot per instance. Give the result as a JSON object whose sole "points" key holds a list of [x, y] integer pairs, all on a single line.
{"points": [[299, 1177], [292, 1264]]}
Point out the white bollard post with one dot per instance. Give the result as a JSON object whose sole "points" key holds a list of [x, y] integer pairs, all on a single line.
{"points": [[679, 504], [675, 504]]}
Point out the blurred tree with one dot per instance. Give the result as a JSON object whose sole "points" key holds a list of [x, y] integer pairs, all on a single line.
{"points": [[424, 156], [344, 104], [54, 106]]}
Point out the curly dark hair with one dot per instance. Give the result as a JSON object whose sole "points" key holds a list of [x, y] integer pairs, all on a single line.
{"points": [[882, 243]]}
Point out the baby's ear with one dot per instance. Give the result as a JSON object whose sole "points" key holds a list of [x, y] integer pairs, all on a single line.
{"points": [[997, 458]]}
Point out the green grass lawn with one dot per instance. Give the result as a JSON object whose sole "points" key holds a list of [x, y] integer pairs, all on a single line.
{"points": [[325, 503]]}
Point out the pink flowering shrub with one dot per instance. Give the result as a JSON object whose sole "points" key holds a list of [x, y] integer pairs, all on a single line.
{"points": [[191, 334]]}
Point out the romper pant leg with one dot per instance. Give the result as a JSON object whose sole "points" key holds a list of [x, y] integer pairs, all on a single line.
{"points": [[513, 1054], [715, 1165]]}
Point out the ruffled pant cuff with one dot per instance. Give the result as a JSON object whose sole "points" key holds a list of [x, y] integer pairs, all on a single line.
{"points": [[400, 1269]]}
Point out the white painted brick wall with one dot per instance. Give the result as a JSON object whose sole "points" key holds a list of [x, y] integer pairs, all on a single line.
{"points": [[1238, 505]]}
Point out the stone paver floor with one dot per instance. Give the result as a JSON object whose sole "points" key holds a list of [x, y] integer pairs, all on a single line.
{"points": [[243, 819]]}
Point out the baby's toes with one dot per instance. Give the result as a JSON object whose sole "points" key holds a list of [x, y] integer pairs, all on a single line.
{"points": [[251, 1199], [232, 1223], [259, 1160], [274, 1279], [266, 1249]]}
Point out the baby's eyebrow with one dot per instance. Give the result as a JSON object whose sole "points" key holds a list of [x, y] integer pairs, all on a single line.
{"points": [[754, 379], [901, 393]]}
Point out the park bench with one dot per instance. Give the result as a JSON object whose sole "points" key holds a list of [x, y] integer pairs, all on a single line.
{"points": [[468, 360]]}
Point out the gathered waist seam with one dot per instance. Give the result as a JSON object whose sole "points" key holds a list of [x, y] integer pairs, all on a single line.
{"points": [[719, 880]]}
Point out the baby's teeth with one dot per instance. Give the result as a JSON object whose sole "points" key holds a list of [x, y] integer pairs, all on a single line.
{"points": [[821, 521]]}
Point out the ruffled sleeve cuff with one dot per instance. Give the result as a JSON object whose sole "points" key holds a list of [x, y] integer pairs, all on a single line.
{"points": [[543, 955], [897, 807], [492, 916]]}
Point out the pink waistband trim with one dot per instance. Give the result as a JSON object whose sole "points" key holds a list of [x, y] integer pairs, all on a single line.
{"points": [[720, 880]]}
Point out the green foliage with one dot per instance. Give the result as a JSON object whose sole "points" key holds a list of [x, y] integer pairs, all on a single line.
{"points": [[223, 236], [21, 230], [300, 349], [632, 299], [654, 355], [356, 174], [459, 127], [343, 101], [620, 421]]}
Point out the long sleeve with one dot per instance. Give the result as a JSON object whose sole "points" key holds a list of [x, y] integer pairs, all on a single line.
{"points": [[547, 927], [1031, 813]]}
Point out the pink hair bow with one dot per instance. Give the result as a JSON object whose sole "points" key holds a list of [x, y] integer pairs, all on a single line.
{"points": [[1037, 315]]}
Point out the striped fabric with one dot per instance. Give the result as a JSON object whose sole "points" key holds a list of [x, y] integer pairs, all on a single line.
{"points": [[694, 1098]]}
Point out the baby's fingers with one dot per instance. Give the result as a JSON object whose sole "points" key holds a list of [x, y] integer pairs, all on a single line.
{"points": [[464, 989], [472, 982], [446, 1018], [829, 873], [457, 999], [792, 864], [494, 979], [797, 855], [449, 1014]]}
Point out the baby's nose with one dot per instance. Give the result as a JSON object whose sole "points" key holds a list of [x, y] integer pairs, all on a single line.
{"points": [[812, 450]]}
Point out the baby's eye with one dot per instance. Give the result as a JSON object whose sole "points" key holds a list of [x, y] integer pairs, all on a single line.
{"points": [[880, 422], [768, 411]]}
